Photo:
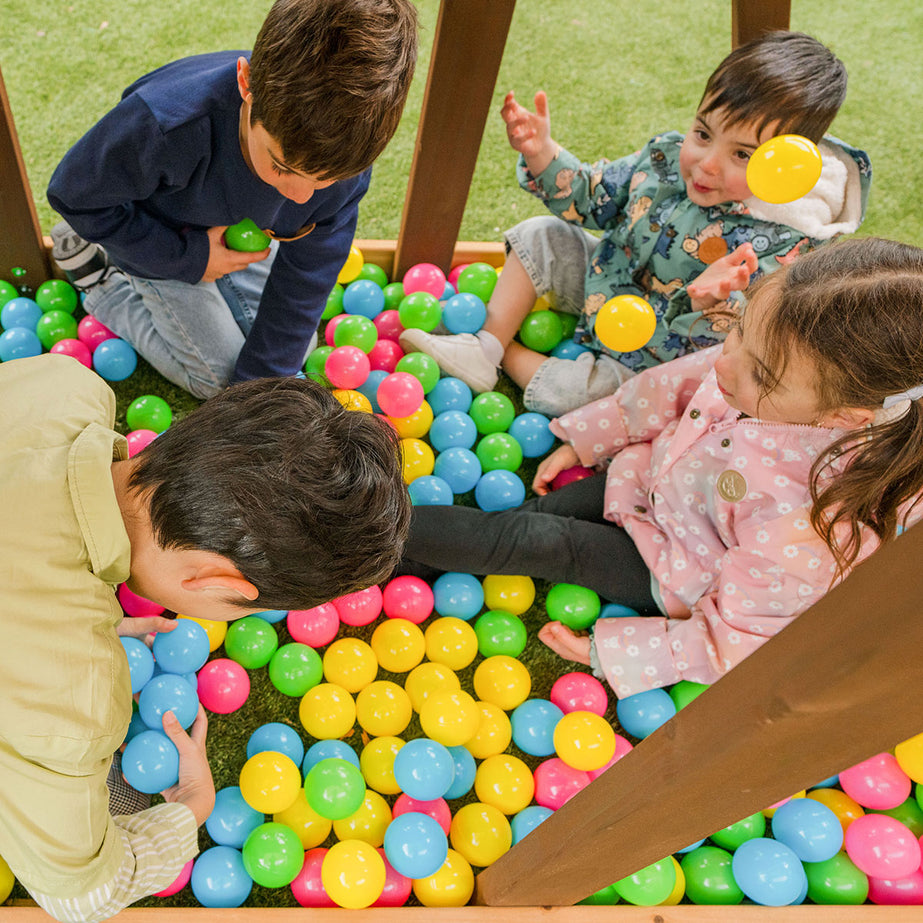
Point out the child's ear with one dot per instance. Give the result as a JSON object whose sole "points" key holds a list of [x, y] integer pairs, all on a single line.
{"points": [[849, 418], [243, 78], [225, 581]]}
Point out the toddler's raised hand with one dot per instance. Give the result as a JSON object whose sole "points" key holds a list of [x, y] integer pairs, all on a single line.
{"points": [[562, 458], [730, 273], [530, 132], [565, 642]]}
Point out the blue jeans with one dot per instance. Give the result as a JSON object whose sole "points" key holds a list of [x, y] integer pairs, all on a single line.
{"points": [[191, 334]]}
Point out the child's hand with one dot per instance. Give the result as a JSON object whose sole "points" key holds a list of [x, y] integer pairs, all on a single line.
{"points": [[195, 787], [144, 628], [530, 132], [729, 274], [562, 458], [565, 642], [222, 259]]}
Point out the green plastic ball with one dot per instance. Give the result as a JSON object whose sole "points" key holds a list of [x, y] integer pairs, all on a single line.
{"points": [[56, 295], [499, 451], [709, 879], [314, 365], [605, 896], [685, 691], [335, 788], [7, 292], [334, 304], [648, 886], [55, 325], [420, 309], [251, 642], [246, 237], [500, 632], [568, 324], [577, 607], [394, 295], [295, 668], [356, 330], [273, 855], [836, 881], [541, 331], [374, 274], [424, 368], [908, 813], [735, 835], [478, 279], [492, 412], [149, 412]]}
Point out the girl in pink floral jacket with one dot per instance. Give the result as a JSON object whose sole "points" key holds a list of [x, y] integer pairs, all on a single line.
{"points": [[742, 481]]}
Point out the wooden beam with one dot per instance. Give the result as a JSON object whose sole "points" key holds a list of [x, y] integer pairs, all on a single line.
{"points": [[467, 50], [20, 234], [837, 686], [751, 18]]}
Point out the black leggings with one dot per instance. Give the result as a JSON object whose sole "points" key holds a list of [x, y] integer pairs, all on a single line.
{"points": [[561, 537]]}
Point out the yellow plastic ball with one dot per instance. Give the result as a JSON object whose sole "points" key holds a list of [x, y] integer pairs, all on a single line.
{"points": [[368, 823], [426, 679], [377, 764], [494, 733], [327, 711], [383, 708], [625, 323], [353, 874], [679, 889], [417, 459], [416, 425], [353, 400], [451, 886], [845, 808], [784, 168], [768, 812], [505, 782], [909, 756], [270, 782], [350, 663], [311, 828], [352, 267], [584, 740], [7, 880], [513, 594], [451, 642], [398, 644], [216, 631], [450, 718], [503, 680], [481, 833], [542, 303]]}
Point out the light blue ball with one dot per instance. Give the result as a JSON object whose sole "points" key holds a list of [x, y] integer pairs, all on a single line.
{"points": [[768, 872], [829, 782], [810, 829], [140, 662], [448, 291], [114, 359], [272, 615], [450, 394], [135, 726], [219, 878], [370, 387], [531, 431], [278, 738], [415, 845], [168, 692], [452, 428], [429, 490], [19, 343], [459, 468], [232, 819], [499, 490], [641, 714], [458, 595], [527, 820], [364, 297], [424, 769], [617, 611], [692, 846], [328, 750], [533, 725], [464, 313], [150, 762], [568, 349], [465, 771], [182, 650], [20, 312]]}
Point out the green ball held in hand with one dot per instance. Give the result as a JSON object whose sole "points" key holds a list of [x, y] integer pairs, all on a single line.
{"points": [[246, 237], [335, 788], [575, 606], [149, 412]]}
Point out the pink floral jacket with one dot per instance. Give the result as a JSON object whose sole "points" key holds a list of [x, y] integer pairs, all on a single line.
{"points": [[718, 506]]}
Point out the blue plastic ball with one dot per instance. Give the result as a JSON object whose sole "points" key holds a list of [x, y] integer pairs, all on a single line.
{"points": [[19, 343], [691, 846], [641, 714], [232, 819], [568, 349], [533, 725], [135, 726], [328, 750], [20, 312], [429, 490], [168, 692], [272, 615], [450, 394], [150, 762], [465, 771], [768, 872], [499, 490], [415, 845], [219, 878], [452, 428], [370, 387], [459, 468], [364, 297], [810, 829], [527, 820], [617, 611], [458, 595], [829, 782], [114, 359], [464, 313], [279, 738], [140, 662], [531, 431], [182, 650], [424, 769], [448, 291]]}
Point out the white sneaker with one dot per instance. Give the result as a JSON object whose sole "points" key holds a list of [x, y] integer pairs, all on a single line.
{"points": [[458, 354]]}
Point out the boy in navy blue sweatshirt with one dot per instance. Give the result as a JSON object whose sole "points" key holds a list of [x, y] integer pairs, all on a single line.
{"points": [[286, 137]]}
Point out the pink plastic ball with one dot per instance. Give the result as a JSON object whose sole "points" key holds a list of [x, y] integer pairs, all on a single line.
{"points": [[136, 605], [315, 627], [882, 847], [568, 475], [385, 355], [307, 886], [361, 607], [622, 746], [181, 881], [139, 439], [556, 783], [906, 891], [397, 886], [408, 598], [878, 783], [579, 692], [331, 327], [75, 349], [91, 332], [388, 324], [455, 272], [347, 367], [223, 686], [424, 277], [400, 394], [438, 809]]}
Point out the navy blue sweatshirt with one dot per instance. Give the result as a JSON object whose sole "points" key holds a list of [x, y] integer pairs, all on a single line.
{"points": [[165, 165]]}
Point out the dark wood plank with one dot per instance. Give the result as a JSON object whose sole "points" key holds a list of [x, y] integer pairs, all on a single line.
{"points": [[751, 18]]}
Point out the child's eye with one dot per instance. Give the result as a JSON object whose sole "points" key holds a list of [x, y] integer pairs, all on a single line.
{"points": [[701, 134], [281, 171], [742, 156]]}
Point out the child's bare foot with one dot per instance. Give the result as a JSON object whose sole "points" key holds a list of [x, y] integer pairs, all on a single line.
{"points": [[565, 642]]}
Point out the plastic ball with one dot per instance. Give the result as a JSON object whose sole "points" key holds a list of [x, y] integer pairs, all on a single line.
{"points": [[178, 884], [734, 835], [370, 387], [499, 490], [334, 788], [424, 769], [505, 782], [355, 330], [383, 709], [499, 632], [459, 468], [364, 298], [149, 412], [246, 236], [810, 829], [494, 732], [219, 878], [57, 295], [75, 349], [882, 847], [492, 412], [649, 886], [622, 747], [388, 323], [416, 425], [353, 874], [430, 490], [584, 740], [877, 783], [641, 714], [328, 749], [556, 782], [374, 274], [541, 331], [682, 692], [450, 394], [150, 762], [464, 312], [503, 681], [450, 718], [7, 292], [273, 855], [409, 598], [368, 822], [353, 399], [136, 605], [384, 357], [295, 668], [420, 310], [424, 277], [909, 756], [351, 268], [426, 679], [511, 593], [436, 808], [423, 367], [625, 323], [216, 631], [450, 641], [20, 312], [251, 642], [709, 877], [359, 608], [477, 279], [784, 169], [168, 692], [140, 662], [347, 367], [377, 764], [327, 711], [531, 431], [451, 886], [907, 890], [20, 343], [310, 828], [55, 325], [350, 663], [480, 833], [276, 737], [223, 686], [307, 887], [457, 594], [315, 627], [837, 881], [334, 304], [575, 606], [526, 820], [909, 813], [415, 845], [845, 809], [768, 872], [452, 428], [91, 332], [499, 451], [569, 475], [400, 394], [533, 723], [398, 644], [465, 773], [270, 781]]}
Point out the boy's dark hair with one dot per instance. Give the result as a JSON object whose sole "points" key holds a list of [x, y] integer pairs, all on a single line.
{"points": [[785, 76], [305, 497], [329, 80]]}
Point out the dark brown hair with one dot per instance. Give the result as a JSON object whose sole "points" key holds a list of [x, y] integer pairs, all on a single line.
{"points": [[855, 309], [329, 80], [784, 76], [304, 497]]}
